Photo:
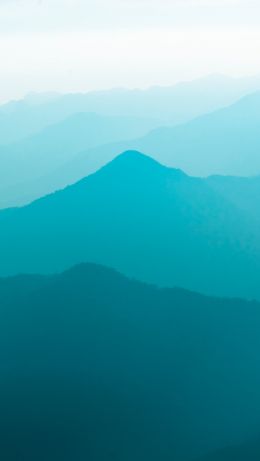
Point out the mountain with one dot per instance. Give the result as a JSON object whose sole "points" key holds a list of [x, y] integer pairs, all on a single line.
{"points": [[225, 142], [24, 164], [169, 105], [148, 221], [244, 193], [97, 366], [64, 152]]}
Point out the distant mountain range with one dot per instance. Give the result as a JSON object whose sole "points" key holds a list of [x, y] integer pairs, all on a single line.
{"points": [[96, 366], [148, 221], [224, 142], [175, 104], [25, 164]]}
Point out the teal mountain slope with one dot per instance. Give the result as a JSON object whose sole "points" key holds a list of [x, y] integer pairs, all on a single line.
{"points": [[96, 366], [242, 192], [146, 220], [249, 451]]}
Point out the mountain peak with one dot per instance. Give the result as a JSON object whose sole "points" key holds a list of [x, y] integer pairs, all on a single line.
{"points": [[133, 163], [133, 160], [135, 156], [136, 161]]}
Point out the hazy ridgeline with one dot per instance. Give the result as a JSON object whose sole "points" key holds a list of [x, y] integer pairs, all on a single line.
{"points": [[69, 142], [162, 185]]}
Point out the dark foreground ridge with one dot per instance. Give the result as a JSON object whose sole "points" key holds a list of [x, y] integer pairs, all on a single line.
{"points": [[98, 367], [247, 451]]}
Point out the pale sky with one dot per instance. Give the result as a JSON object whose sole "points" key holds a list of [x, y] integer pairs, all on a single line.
{"points": [[80, 45]]}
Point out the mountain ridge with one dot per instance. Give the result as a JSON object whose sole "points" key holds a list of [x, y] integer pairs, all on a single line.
{"points": [[148, 221], [223, 142], [228, 148], [104, 362]]}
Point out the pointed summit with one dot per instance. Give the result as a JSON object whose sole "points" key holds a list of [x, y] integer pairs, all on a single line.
{"points": [[136, 159], [134, 163]]}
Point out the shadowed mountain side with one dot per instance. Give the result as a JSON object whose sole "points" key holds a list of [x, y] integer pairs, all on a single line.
{"points": [[242, 192], [247, 452], [96, 366], [146, 220]]}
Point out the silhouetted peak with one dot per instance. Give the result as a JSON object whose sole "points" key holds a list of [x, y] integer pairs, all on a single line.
{"points": [[88, 268], [136, 158], [136, 163], [90, 276]]}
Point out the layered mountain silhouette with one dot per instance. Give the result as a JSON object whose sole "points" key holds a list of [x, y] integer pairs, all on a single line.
{"points": [[225, 142], [174, 104], [96, 366], [24, 164], [148, 221]]}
